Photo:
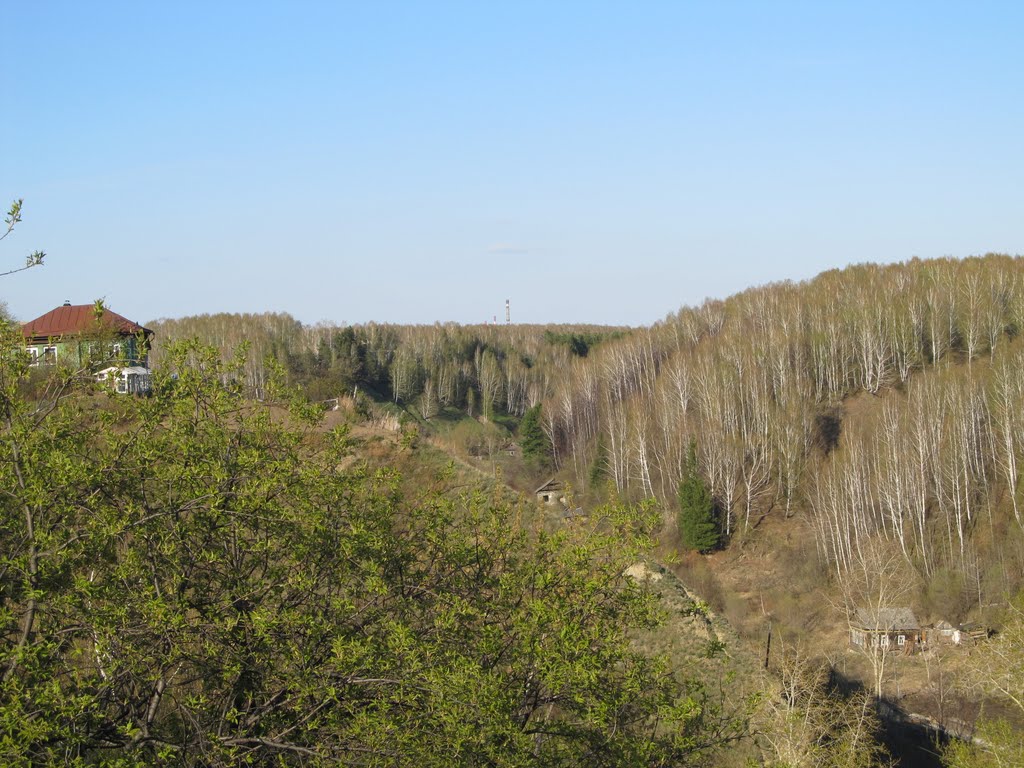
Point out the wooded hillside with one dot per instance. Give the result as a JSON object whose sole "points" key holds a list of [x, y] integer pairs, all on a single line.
{"points": [[873, 401], [876, 401]]}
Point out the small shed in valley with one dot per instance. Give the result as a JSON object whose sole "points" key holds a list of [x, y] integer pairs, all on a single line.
{"points": [[551, 493], [886, 629]]}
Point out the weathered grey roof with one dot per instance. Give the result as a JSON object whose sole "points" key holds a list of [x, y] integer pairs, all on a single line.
{"points": [[886, 619], [551, 485]]}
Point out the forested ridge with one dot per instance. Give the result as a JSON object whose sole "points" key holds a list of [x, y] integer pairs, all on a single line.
{"points": [[760, 382], [485, 369]]}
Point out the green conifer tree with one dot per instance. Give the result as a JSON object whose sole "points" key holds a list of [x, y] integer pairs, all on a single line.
{"points": [[535, 444], [698, 529]]}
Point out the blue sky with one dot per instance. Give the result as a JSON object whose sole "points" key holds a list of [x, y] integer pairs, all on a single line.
{"points": [[416, 162]]}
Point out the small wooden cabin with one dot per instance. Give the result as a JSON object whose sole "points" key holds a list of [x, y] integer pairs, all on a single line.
{"points": [[892, 629], [551, 493]]}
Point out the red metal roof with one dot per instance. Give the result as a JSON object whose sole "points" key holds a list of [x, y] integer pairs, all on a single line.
{"points": [[72, 319]]}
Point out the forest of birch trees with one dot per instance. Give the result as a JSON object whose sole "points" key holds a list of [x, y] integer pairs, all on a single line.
{"points": [[870, 402], [877, 401]]}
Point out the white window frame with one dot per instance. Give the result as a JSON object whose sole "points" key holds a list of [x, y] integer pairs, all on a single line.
{"points": [[33, 353], [49, 355], [901, 640]]}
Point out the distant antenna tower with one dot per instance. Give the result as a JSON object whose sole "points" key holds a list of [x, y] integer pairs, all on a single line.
{"points": [[508, 313]]}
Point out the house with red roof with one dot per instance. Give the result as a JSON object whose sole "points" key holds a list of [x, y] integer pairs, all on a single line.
{"points": [[80, 335]]}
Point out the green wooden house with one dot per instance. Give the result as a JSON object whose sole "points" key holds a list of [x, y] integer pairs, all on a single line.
{"points": [[80, 335]]}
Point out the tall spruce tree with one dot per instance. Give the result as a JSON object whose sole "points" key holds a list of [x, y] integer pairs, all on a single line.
{"points": [[698, 529], [535, 444]]}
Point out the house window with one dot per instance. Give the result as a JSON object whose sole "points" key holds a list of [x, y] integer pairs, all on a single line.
{"points": [[885, 641], [33, 355], [49, 355], [117, 351], [901, 640]]}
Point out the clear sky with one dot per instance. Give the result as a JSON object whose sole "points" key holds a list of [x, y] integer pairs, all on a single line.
{"points": [[420, 161]]}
